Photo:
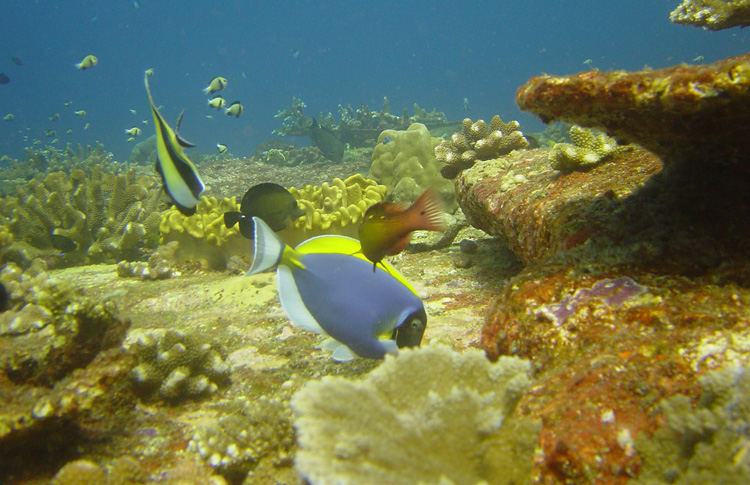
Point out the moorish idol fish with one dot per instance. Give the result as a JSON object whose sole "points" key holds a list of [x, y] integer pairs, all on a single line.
{"points": [[178, 174], [326, 288]]}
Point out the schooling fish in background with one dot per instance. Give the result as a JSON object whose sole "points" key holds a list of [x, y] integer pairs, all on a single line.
{"points": [[4, 79], [387, 226], [16, 61], [268, 201], [222, 148], [134, 131], [87, 63], [324, 288], [327, 142], [235, 109], [216, 85], [216, 102], [178, 174]]}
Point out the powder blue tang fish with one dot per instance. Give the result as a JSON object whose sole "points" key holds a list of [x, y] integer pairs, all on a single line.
{"points": [[327, 289]]}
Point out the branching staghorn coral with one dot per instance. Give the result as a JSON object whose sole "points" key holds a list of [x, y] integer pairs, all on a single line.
{"points": [[429, 415], [477, 141]]}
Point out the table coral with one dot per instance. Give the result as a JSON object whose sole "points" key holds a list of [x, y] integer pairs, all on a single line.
{"points": [[430, 415], [334, 208], [712, 14], [587, 150], [478, 142], [175, 366], [679, 113], [109, 217], [407, 165]]}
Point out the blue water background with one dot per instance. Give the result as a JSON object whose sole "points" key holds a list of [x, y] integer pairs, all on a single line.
{"points": [[350, 52]]}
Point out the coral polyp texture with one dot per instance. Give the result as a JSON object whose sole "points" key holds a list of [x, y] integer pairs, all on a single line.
{"points": [[102, 217], [587, 150], [333, 209], [690, 115], [477, 141], [430, 415], [175, 366], [712, 14], [404, 161], [204, 236]]}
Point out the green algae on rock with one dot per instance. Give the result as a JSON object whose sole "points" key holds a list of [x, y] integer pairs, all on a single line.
{"points": [[429, 415], [174, 366]]}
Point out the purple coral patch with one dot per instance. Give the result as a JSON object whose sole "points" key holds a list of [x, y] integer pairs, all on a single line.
{"points": [[613, 292]]}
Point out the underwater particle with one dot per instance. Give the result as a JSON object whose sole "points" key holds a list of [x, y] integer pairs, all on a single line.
{"points": [[175, 366], [134, 131], [452, 424], [17, 61]]}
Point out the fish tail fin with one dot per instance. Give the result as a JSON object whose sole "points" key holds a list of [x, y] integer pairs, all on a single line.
{"points": [[207, 90], [430, 211], [270, 250]]}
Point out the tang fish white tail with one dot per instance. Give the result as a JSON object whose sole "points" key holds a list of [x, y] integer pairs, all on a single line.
{"points": [[269, 248]]}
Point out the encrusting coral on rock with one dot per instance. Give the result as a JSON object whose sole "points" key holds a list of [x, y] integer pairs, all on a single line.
{"points": [[175, 366], [429, 415], [680, 113], [587, 150], [404, 161], [712, 14], [478, 142]]}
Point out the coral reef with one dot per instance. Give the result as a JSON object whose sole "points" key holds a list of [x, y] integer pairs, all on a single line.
{"points": [[174, 366], [261, 430], [587, 150], [105, 217], [679, 113], [64, 374], [712, 14], [293, 156], [407, 166], [204, 236], [706, 443], [51, 329], [128, 471], [160, 264], [431, 415], [334, 208], [478, 142]]}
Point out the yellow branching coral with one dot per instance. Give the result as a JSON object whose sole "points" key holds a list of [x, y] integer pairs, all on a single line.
{"points": [[407, 166], [429, 415], [333, 209], [477, 141], [589, 148]]}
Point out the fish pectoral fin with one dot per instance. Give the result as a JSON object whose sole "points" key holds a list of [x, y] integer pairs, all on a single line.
{"points": [[343, 354]]}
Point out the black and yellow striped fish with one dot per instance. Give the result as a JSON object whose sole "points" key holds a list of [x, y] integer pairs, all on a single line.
{"points": [[178, 174]]}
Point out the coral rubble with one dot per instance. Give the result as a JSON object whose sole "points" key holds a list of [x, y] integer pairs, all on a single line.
{"points": [[407, 165], [475, 142], [712, 14], [679, 113], [431, 415], [174, 366]]}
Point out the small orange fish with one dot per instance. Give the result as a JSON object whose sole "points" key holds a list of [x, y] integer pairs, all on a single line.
{"points": [[387, 226]]}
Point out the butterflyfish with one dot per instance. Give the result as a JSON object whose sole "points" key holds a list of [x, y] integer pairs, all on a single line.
{"points": [[268, 201], [387, 226], [325, 288], [216, 85], [235, 109], [181, 180], [88, 62]]}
